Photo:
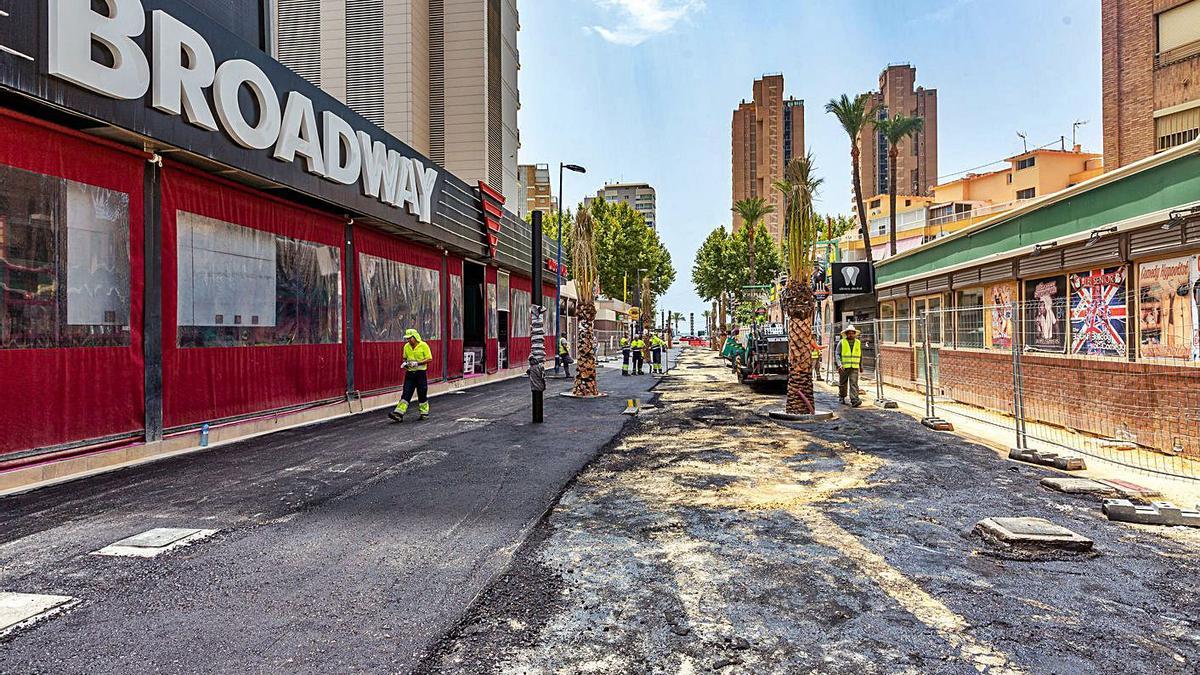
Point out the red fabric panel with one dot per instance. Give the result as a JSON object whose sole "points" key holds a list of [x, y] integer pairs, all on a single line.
{"points": [[454, 369], [493, 341], [518, 347], [377, 365], [206, 383], [53, 396]]}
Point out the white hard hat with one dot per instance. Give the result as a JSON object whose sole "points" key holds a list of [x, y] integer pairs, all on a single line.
{"points": [[849, 328]]}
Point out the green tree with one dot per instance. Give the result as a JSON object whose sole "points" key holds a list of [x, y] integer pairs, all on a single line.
{"points": [[752, 210], [854, 115], [895, 130], [624, 245], [550, 229], [803, 227]]}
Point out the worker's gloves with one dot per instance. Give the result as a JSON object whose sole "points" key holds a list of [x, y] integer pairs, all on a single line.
{"points": [[409, 365]]}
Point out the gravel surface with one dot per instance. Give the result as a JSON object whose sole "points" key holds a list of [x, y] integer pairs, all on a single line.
{"points": [[711, 539]]}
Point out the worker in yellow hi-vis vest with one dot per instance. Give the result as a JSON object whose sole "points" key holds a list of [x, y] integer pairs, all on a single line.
{"points": [[849, 360], [417, 357]]}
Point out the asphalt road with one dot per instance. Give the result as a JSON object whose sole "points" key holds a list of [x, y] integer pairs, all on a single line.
{"points": [[349, 546], [710, 539]]}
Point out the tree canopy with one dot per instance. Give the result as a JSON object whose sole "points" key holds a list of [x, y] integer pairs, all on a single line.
{"points": [[721, 263]]}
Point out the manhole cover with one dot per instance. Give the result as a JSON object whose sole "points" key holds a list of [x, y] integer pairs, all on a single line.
{"points": [[23, 609], [1032, 534], [154, 542]]}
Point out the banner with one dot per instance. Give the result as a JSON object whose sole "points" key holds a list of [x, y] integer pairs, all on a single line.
{"points": [[1000, 298], [1099, 312], [1169, 295], [1046, 315]]}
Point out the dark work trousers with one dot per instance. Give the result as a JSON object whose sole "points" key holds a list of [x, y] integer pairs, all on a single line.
{"points": [[416, 381], [637, 362], [848, 381], [656, 359], [624, 360]]}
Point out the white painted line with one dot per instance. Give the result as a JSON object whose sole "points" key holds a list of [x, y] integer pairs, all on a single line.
{"points": [[18, 610], [155, 542]]}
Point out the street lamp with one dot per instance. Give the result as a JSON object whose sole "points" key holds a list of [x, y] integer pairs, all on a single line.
{"points": [[637, 298], [558, 272]]}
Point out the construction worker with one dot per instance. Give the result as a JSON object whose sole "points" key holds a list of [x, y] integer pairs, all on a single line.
{"points": [[637, 346], [624, 355], [564, 356], [416, 359], [849, 360], [656, 349], [816, 358]]}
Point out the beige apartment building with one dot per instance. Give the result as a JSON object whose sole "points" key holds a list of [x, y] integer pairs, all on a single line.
{"points": [[767, 132], [640, 196], [440, 75], [534, 180], [1151, 77], [916, 164]]}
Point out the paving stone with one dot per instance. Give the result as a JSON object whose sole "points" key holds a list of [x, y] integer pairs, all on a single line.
{"points": [[1079, 486], [20, 609], [1130, 490], [1157, 513], [154, 542], [1057, 460], [1031, 533]]}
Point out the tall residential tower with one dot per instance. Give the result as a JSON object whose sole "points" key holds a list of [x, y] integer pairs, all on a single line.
{"points": [[916, 165], [440, 75], [767, 132]]}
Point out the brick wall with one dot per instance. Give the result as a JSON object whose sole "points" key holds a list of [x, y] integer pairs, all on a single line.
{"points": [[899, 366]]}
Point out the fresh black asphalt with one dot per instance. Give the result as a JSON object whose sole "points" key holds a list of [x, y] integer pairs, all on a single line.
{"points": [[347, 546]]}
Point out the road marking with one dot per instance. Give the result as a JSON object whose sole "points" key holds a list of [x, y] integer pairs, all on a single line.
{"points": [[18, 610], [155, 542]]}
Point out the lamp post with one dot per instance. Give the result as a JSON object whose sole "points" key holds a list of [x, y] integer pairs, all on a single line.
{"points": [[637, 299], [558, 271]]}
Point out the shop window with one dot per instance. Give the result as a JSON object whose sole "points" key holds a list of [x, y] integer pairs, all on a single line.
{"points": [[456, 307], [64, 263], [929, 308], [502, 291], [493, 321], [903, 322], [238, 286], [520, 314], [887, 322], [968, 319], [397, 296]]}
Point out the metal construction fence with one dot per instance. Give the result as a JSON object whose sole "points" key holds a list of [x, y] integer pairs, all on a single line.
{"points": [[1045, 376]]}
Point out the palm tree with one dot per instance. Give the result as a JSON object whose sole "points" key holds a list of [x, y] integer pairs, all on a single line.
{"points": [[583, 255], [853, 116], [895, 130], [752, 210], [803, 229], [676, 317]]}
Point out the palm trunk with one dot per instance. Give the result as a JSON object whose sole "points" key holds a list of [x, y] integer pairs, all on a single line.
{"points": [[585, 373], [800, 372], [750, 242], [893, 155], [858, 201]]}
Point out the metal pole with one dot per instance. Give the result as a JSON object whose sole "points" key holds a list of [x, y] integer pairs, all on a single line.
{"points": [[537, 377], [558, 270], [923, 323], [878, 323], [1018, 397]]}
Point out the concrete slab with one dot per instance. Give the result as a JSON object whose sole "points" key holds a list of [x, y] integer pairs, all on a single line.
{"points": [[1055, 459], [1031, 534], [1157, 513], [155, 542], [18, 610], [1079, 486], [1130, 490]]}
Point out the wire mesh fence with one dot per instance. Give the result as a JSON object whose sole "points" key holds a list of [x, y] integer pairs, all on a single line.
{"points": [[1052, 373]]}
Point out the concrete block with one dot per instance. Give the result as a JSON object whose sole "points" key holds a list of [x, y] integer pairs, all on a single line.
{"points": [[1130, 490], [1047, 458], [1078, 486], [22, 609], [1158, 513], [1031, 534], [154, 542]]}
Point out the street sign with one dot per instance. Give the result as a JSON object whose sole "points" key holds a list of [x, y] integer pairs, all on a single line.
{"points": [[635, 313]]}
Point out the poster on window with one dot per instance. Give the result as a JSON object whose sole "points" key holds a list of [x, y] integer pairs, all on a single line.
{"points": [[520, 313], [1169, 308], [1099, 312], [1046, 315], [397, 296], [97, 256], [493, 321], [1000, 298], [456, 307], [227, 273]]}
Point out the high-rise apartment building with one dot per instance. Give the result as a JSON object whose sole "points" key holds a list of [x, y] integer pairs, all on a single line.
{"points": [[916, 164], [441, 75], [534, 180], [1151, 79], [767, 132], [640, 196]]}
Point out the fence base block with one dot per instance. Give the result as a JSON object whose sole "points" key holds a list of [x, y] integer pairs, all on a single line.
{"points": [[887, 404], [1045, 458], [1157, 513], [937, 424]]}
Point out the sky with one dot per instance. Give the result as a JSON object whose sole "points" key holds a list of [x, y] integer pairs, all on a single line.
{"points": [[644, 90]]}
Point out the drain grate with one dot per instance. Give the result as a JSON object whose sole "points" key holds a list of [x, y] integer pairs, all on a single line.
{"points": [[154, 542], [18, 610]]}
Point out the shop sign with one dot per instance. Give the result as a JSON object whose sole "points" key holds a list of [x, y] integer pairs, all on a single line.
{"points": [[851, 278]]}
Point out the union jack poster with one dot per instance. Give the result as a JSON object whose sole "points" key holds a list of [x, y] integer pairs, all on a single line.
{"points": [[1099, 312]]}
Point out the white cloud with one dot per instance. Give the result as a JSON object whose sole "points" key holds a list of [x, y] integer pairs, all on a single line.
{"points": [[640, 20]]}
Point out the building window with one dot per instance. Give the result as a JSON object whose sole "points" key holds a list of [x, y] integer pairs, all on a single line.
{"points": [[903, 322], [968, 319], [520, 313], [64, 263], [238, 286], [397, 296], [1176, 128], [929, 308], [1026, 163], [1178, 32], [1027, 193], [1009, 177], [887, 325], [874, 203]]}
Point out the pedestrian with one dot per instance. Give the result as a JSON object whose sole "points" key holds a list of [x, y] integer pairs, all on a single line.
{"points": [[656, 348], [849, 360], [417, 357], [625, 356], [564, 356], [638, 345], [816, 359]]}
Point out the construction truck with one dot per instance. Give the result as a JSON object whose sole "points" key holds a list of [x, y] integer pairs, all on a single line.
{"points": [[764, 356]]}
